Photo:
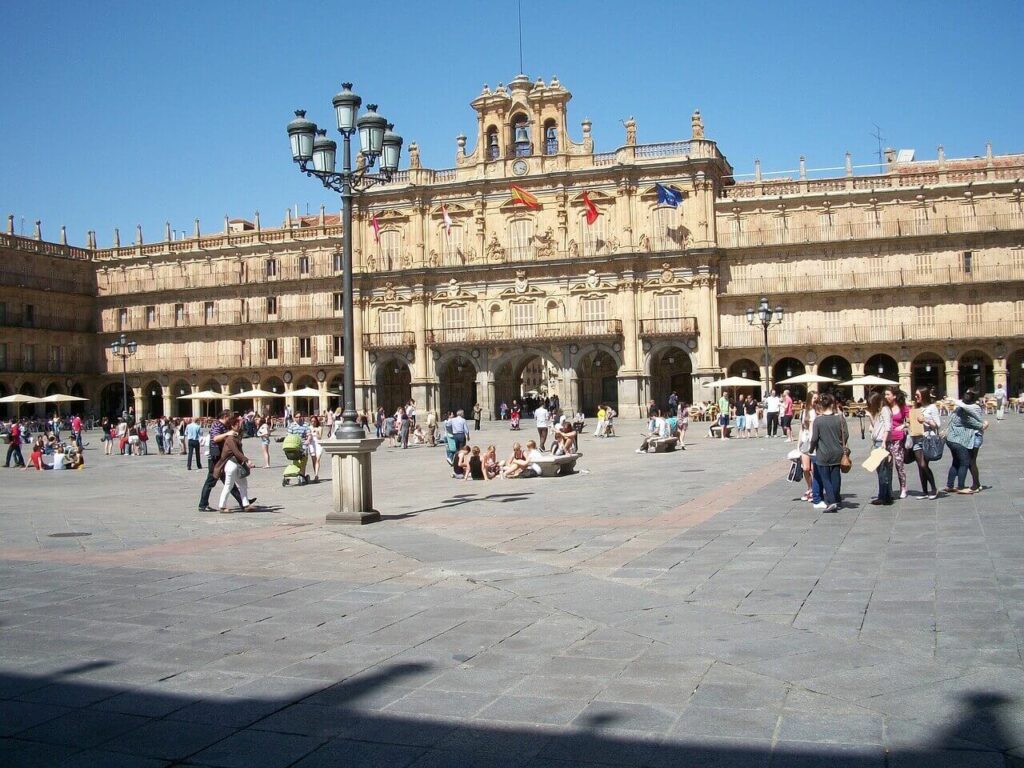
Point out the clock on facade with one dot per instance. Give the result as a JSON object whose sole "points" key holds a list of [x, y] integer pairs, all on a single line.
{"points": [[519, 167]]}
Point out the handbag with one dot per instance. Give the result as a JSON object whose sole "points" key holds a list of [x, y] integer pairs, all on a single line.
{"points": [[796, 472], [933, 446], [908, 442], [243, 470], [845, 463]]}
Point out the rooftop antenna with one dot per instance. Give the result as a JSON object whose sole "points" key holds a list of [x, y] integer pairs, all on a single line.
{"points": [[878, 136], [521, 70]]}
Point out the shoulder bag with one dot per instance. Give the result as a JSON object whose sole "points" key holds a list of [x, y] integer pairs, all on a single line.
{"points": [[933, 446], [845, 463]]}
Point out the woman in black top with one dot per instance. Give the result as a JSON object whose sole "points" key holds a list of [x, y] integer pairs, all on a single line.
{"points": [[829, 436]]}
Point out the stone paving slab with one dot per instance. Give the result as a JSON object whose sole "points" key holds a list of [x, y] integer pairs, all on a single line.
{"points": [[677, 609]]}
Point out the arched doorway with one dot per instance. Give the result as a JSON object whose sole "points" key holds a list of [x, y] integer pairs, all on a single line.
{"points": [[787, 368], [53, 389], [597, 376], [180, 408], [928, 370], [839, 368], [152, 400], [976, 372], [671, 371], [883, 366], [242, 405], [273, 406], [112, 398], [394, 385], [1015, 373], [210, 408], [457, 385], [336, 392], [745, 369]]}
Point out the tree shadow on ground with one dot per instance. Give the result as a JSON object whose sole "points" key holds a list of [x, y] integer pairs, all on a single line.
{"points": [[460, 499]]}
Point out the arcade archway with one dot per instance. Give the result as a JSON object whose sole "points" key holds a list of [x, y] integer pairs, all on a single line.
{"points": [[394, 385], [598, 382], [976, 372], [928, 370], [671, 371], [883, 366], [457, 390]]}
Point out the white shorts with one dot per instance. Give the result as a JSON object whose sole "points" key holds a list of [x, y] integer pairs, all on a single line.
{"points": [[751, 422]]}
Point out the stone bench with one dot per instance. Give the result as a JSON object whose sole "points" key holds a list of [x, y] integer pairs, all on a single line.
{"points": [[664, 444], [716, 431], [558, 466]]}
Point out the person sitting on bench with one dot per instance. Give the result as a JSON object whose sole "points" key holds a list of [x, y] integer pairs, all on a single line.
{"points": [[659, 430]]}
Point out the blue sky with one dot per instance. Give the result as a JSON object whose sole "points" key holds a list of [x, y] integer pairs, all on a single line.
{"points": [[122, 113]]}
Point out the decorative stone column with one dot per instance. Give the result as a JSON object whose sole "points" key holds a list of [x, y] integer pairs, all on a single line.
{"points": [[905, 377], [856, 371], [351, 480], [485, 392], [999, 372], [168, 395], [953, 378]]}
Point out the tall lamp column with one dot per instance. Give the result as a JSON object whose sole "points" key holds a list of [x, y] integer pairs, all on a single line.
{"points": [[124, 348], [315, 154], [766, 317]]}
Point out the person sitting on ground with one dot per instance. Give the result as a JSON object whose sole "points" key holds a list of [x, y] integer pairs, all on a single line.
{"points": [[659, 429], [36, 458], [474, 466], [460, 462], [533, 459], [491, 467], [565, 438], [516, 463]]}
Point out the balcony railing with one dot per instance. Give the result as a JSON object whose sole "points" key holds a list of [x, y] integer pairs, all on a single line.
{"points": [[15, 279], [67, 364], [654, 327], [390, 340], [516, 334], [41, 246], [950, 225], [863, 334], [895, 278], [49, 323], [224, 318]]}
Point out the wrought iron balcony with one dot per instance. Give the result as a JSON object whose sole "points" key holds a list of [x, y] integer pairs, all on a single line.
{"points": [[660, 327], [518, 333], [389, 340]]}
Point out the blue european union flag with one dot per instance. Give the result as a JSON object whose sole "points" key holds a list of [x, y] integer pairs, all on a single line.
{"points": [[668, 195]]}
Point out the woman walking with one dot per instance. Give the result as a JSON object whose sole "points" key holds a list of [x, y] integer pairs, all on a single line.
{"points": [[263, 433], [964, 425], [230, 467], [880, 424], [925, 421], [978, 412], [804, 443], [897, 402], [829, 436]]}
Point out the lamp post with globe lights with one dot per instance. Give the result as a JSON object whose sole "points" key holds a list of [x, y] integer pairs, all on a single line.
{"points": [[124, 348], [316, 156], [766, 317]]}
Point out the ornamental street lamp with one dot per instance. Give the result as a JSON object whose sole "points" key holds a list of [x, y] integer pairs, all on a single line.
{"points": [[123, 348], [316, 155], [766, 317]]}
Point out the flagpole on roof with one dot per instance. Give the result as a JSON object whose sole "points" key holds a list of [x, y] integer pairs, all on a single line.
{"points": [[521, 70]]}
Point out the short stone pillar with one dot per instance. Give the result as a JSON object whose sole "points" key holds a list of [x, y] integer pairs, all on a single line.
{"points": [[352, 480]]}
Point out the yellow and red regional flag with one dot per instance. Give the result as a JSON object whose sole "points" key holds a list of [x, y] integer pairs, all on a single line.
{"points": [[520, 195]]}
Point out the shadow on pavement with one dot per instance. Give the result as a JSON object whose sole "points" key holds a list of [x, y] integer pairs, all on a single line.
{"points": [[57, 720]]}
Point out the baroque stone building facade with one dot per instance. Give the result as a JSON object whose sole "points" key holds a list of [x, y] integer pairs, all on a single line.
{"points": [[464, 295]]}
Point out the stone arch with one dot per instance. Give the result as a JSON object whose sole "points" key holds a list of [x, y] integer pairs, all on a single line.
{"points": [[928, 369], [236, 385], [180, 408], [152, 400], [787, 367], [515, 370], [882, 365], [745, 368], [976, 372], [393, 379], [836, 367], [112, 399], [551, 143], [597, 378], [457, 383], [670, 370], [335, 392], [1015, 372], [53, 388], [272, 405]]}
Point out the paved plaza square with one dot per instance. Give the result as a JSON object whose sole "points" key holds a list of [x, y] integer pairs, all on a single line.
{"points": [[680, 609]]}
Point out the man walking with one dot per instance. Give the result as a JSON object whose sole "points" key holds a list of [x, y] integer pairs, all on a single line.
{"points": [[541, 415], [1000, 394], [477, 410], [14, 446], [459, 429], [772, 407], [218, 433], [192, 434]]}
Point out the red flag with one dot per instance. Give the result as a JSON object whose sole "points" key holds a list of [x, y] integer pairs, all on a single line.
{"points": [[520, 195], [447, 220], [376, 227], [592, 212]]}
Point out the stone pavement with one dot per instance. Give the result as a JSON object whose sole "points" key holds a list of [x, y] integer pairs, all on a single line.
{"points": [[659, 610]]}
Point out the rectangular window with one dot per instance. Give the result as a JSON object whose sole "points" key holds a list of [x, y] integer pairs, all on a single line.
{"points": [[271, 266], [303, 265], [455, 323], [920, 223], [28, 357], [208, 314], [122, 319], [56, 358], [179, 314], [271, 305], [305, 347], [337, 261], [271, 349], [391, 249], [968, 262], [452, 246], [339, 301], [151, 317], [1018, 311], [592, 235], [781, 228], [595, 316], [923, 263], [926, 317], [30, 315], [522, 320], [826, 225], [666, 229], [3, 313], [339, 347], [973, 316], [390, 326], [520, 239], [830, 271]]}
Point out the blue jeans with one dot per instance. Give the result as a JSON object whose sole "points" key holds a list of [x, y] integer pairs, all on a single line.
{"points": [[884, 473], [961, 463], [830, 479]]}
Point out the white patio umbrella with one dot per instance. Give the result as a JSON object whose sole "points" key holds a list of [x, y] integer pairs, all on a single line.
{"points": [[19, 398], [808, 378], [254, 393], [306, 392], [206, 394], [733, 381], [870, 381]]}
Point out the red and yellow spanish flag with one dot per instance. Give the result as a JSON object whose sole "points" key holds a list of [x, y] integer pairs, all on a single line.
{"points": [[520, 195]]}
